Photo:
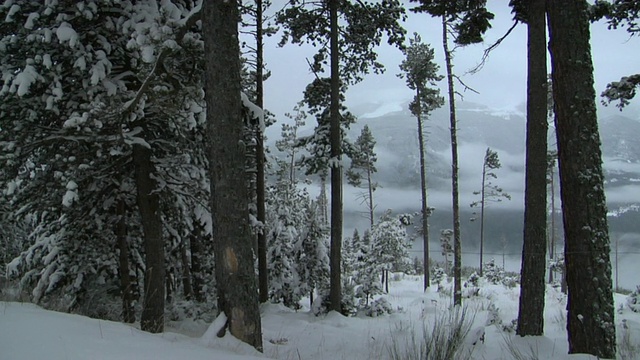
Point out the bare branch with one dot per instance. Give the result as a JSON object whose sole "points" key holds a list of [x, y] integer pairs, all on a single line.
{"points": [[488, 50]]}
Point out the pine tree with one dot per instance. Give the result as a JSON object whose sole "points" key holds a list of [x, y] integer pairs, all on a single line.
{"points": [[590, 318], [237, 292], [488, 192], [467, 20], [349, 51], [313, 263], [389, 245], [420, 71], [363, 166]]}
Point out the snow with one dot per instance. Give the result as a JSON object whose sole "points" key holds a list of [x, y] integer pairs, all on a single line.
{"points": [[66, 33], [30, 19], [25, 79], [384, 109], [288, 334]]}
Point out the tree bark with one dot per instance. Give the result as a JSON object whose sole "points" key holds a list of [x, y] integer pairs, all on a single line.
{"points": [[154, 278], [263, 271], [335, 280], [423, 193], [457, 250], [531, 311], [590, 318], [128, 311], [232, 239]]}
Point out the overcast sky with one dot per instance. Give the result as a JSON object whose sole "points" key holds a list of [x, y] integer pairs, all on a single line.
{"points": [[501, 83]]}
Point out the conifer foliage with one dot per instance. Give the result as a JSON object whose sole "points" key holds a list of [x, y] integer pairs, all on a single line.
{"points": [[83, 85]]}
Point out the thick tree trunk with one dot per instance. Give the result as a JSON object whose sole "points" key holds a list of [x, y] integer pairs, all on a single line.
{"points": [[232, 239], [423, 193], [335, 280], [128, 311], [154, 278], [263, 271], [457, 250], [590, 318], [531, 312]]}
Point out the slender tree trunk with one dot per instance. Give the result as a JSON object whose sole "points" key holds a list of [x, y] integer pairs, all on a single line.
{"points": [[128, 311], [154, 278], [187, 288], [197, 253], [370, 186], [552, 246], [457, 250], [590, 319], [263, 271], [531, 312], [323, 197], [335, 291], [169, 286], [484, 179], [232, 239], [423, 193], [386, 281]]}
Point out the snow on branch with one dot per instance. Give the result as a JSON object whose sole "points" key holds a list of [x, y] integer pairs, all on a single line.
{"points": [[187, 23]]}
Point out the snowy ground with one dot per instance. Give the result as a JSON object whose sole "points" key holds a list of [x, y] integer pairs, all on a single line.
{"points": [[29, 332]]}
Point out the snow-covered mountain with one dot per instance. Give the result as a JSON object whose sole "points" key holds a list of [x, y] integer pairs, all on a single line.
{"points": [[480, 127]]}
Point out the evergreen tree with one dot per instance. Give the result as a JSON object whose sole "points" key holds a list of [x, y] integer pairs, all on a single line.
{"points": [[363, 165], [349, 49], [467, 21], [313, 263], [590, 318], [420, 71], [92, 97], [366, 271], [389, 245], [445, 244], [488, 192]]}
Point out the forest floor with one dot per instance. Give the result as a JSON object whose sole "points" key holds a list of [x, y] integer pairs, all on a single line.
{"points": [[30, 332]]}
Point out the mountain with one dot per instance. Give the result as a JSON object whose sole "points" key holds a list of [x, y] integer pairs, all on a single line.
{"points": [[481, 127]]}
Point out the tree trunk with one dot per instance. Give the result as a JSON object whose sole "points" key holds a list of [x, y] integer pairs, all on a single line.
{"points": [[128, 311], [370, 187], [590, 318], [197, 253], [423, 193], [335, 287], [187, 288], [154, 278], [484, 179], [531, 312], [457, 250], [232, 239], [552, 245], [263, 276]]}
